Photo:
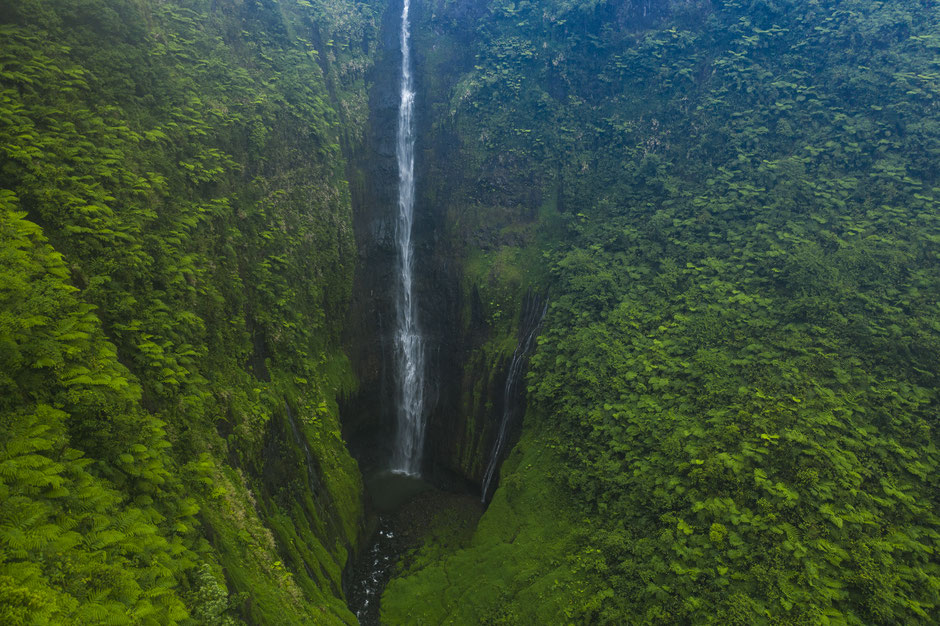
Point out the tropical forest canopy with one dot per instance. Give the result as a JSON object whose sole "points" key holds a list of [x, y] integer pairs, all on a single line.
{"points": [[175, 259], [735, 392], [733, 208]]}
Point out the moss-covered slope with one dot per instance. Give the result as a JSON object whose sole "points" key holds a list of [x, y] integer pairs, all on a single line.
{"points": [[737, 381], [175, 263]]}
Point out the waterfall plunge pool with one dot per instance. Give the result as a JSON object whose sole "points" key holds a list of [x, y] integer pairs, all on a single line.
{"points": [[388, 490], [403, 510]]}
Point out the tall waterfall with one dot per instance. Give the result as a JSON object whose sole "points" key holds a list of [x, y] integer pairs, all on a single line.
{"points": [[409, 344], [532, 317]]}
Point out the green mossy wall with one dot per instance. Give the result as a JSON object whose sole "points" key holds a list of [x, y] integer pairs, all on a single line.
{"points": [[732, 205], [177, 259]]}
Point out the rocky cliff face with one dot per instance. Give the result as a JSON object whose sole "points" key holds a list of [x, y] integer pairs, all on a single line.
{"points": [[467, 350], [369, 413]]}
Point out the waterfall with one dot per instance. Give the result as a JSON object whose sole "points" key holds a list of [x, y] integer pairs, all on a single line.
{"points": [[529, 327], [409, 439]]}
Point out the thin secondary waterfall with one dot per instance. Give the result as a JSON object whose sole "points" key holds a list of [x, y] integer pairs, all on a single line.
{"points": [[409, 344], [529, 326]]}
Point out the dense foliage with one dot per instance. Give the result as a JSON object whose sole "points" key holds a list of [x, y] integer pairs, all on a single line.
{"points": [[732, 409], [736, 388], [175, 260]]}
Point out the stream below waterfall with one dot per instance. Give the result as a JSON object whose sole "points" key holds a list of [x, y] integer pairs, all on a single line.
{"points": [[405, 508]]}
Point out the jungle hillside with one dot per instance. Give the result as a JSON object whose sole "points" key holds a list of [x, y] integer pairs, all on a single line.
{"points": [[673, 271]]}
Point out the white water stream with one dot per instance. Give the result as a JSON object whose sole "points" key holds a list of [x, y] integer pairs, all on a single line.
{"points": [[409, 343], [530, 328]]}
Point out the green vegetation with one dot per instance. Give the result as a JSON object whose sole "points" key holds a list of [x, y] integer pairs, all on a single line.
{"points": [[735, 391], [735, 209], [501, 575], [175, 259]]}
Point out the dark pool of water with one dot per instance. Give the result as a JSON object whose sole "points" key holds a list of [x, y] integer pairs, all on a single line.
{"points": [[388, 491]]}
